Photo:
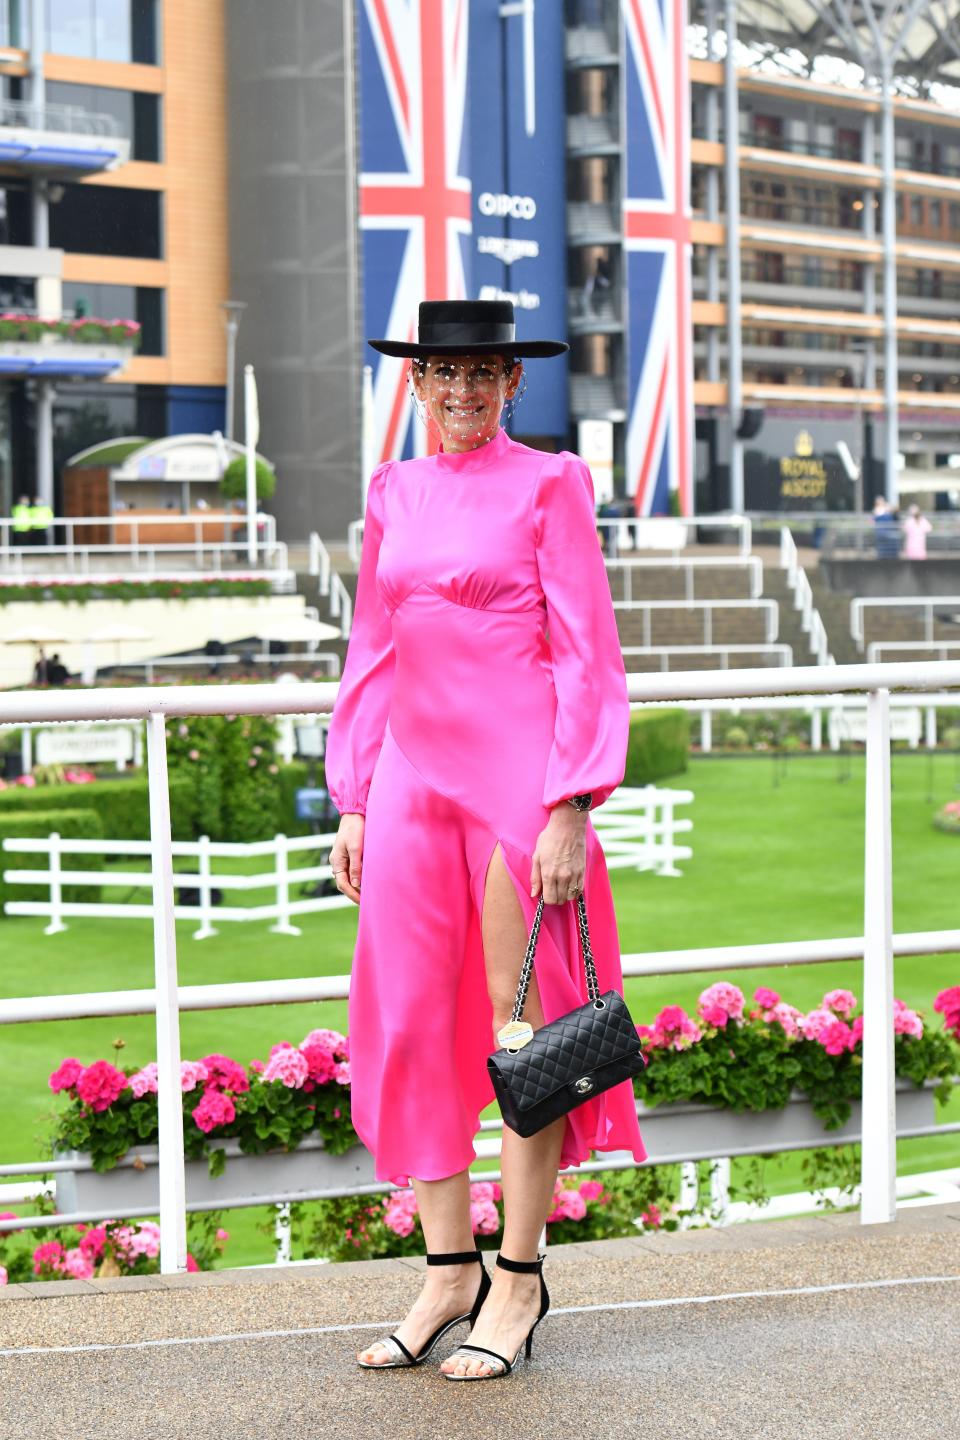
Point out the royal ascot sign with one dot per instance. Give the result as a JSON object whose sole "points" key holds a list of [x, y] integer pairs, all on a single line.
{"points": [[99, 744], [794, 466]]}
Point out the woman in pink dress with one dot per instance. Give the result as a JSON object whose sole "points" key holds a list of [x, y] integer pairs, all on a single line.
{"points": [[916, 528], [482, 713]]}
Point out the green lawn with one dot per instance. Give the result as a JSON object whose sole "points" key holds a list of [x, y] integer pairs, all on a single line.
{"points": [[778, 855]]}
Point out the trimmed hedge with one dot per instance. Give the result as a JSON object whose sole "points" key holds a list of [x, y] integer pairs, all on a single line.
{"points": [[658, 746], [35, 823], [122, 805]]}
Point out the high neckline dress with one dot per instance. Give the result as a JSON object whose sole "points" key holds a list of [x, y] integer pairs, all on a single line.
{"points": [[483, 685]]}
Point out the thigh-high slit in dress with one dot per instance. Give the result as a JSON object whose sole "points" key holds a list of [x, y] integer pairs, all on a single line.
{"points": [[483, 685]]}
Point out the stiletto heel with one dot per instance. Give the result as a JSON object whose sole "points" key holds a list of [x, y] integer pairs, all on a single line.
{"points": [[490, 1357], [401, 1356]]}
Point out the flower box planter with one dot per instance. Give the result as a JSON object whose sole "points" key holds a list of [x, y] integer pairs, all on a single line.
{"points": [[295, 1174], [702, 1132]]}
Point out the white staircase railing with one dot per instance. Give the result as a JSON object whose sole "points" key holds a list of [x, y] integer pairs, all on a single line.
{"points": [[810, 620]]}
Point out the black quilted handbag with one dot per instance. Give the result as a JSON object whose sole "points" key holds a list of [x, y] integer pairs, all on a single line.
{"points": [[571, 1059]]}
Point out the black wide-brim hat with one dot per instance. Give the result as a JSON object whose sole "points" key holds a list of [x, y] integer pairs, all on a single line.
{"points": [[468, 327]]}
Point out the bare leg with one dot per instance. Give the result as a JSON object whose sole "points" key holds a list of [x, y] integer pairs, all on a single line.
{"points": [[529, 1166], [448, 1290]]}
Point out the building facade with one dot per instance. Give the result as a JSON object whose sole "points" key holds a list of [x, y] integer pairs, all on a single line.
{"points": [[113, 206]]}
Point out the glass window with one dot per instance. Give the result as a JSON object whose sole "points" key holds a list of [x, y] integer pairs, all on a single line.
{"points": [[101, 220], [954, 215], [16, 215], [916, 211], [70, 27], [936, 214], [103, 29], [112, 30], [137, 115]]}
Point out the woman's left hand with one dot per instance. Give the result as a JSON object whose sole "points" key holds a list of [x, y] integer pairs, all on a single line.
{"points": [[560, 857]]}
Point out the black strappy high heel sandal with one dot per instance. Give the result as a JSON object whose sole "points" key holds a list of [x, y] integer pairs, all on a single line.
{"points": [[401, 1356], [503, 1366]]}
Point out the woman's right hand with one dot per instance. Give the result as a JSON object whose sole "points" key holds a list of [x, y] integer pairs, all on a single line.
{"points": [[346, 857]]}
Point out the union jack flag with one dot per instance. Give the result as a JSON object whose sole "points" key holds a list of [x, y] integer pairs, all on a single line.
{"points": [[414, 187], [657, 247]]}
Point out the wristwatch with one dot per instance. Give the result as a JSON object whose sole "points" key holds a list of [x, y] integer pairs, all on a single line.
{"points": [[581, 802]]}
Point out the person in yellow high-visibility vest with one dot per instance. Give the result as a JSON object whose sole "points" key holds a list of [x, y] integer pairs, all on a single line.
{"points": [[20, 514], [41, 519]]}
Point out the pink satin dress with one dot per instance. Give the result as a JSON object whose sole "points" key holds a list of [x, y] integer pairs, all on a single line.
{"points": [[483, 685]]}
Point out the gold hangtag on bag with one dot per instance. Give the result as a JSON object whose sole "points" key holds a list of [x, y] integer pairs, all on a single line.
{"points": [[515, 1034]]}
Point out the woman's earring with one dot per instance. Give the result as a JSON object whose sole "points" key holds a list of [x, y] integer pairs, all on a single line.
{"points": [[415, 401], [511, 406]]}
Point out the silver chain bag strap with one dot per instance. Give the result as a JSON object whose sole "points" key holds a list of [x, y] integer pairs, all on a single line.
{"points": [[539, 1075]]}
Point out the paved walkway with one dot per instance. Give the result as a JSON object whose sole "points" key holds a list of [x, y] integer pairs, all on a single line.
{"points": [[819, 1329]]}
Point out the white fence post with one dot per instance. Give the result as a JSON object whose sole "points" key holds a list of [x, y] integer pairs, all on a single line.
{"points": [[878, 1173], [720, 1190], [666, 866], [283, 925], [816, 728], [173, 1220], [706, 731], [689, 1189], [56, 888], [281, 1232], [930, 738], [204, 890]]}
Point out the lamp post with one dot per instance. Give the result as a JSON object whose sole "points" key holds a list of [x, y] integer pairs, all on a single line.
{"points": [[232, 314]]}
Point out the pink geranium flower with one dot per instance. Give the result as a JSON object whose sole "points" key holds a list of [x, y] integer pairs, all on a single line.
{"points": [[947, 1004], [714, 1015], [723, 996], [787, 1016], [145, 1081], [321, 1063], [342, 1072], [288, 1066], [591, 1190], [331, 1040], [765, 998], [399, 1210], [812, 1023], [836, 1037], [77, 1264], [484, 1217], [906, 1021], [100, 1084], [225, 1074], [48, 1258], [3, 1275], [93, 1240], [65, 1077], [214, 1109], [843, 1002], [192, 1074], [673, 1029]]}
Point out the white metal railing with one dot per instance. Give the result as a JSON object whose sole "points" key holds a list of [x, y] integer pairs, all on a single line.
{"points": [[936, 649], [768, 609], [689, 566], [811, 621], [860, 535], [638, 830], [21, 557], [779, 653], [671, 533], [64, 119], [876, 946], [329, 581], [355, 540], [816, 706], [926, 604]]}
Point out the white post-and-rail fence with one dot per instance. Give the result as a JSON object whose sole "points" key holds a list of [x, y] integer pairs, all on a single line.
{"points": [[877, 945], [638, 830]]}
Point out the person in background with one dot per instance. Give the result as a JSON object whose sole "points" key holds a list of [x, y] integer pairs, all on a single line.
{"points": [[41, 519], [57, 672], [20, 515], [886, 530], [916, 528], [41, 669]]}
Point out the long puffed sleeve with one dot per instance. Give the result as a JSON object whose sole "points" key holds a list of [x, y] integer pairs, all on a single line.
{"points": [[363, 701], [593, 712]]}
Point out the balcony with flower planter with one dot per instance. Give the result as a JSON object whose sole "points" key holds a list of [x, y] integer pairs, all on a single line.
{"points": [[78, 348]]}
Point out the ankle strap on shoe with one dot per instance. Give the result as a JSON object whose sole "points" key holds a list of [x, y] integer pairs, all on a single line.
{"points": [[453, 1257], [521, 1267]]}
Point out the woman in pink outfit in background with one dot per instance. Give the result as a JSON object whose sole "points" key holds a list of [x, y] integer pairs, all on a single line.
{"points": [[483, 690], [916, 528]]}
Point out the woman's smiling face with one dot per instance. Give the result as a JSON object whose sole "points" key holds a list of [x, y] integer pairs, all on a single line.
{"points": [[464, 396]]}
